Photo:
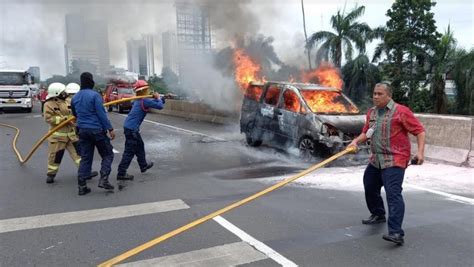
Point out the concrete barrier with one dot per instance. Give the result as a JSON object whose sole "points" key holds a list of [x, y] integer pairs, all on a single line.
{"points": [[449, 139]]}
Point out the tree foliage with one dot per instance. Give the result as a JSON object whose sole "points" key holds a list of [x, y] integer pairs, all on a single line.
{"points": [[410, 39]]}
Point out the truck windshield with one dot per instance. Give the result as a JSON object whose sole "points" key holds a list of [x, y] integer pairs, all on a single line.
{"points": [[125, 91], [320, 101], [12, 78]]}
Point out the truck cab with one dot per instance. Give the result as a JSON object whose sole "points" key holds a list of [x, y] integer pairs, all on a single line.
{"points": [[116, 90], [16, 90]]}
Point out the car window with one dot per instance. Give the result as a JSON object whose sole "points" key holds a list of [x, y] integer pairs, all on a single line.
{"points": [[272, 95], [128, 91], [291, 101], [320, 101], [254, 92]]}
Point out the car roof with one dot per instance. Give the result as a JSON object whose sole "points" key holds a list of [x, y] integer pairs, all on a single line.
{"points": [[299, 86]]}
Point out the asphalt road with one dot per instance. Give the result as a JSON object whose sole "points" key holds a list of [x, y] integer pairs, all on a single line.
{"points": [[200, 168]]}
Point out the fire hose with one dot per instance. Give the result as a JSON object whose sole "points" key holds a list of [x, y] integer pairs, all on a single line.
{"points": [[156, 241], [59, 126]]}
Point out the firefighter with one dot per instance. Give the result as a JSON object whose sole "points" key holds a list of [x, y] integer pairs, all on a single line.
{"points": [[134, 145], [71, 90], [56, 111]]}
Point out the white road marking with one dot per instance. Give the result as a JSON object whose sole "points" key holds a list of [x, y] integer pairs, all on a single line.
{"points": [[453, 197], [254, 242], [226, 255], [84, 216]]}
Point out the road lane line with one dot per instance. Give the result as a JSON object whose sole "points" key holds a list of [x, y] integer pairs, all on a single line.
{"points": [[260, 246], [84, 216], [226, 255], [182, 129], [453, 197]]}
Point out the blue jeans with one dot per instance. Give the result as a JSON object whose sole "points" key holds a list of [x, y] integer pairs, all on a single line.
{"points": [[134, 146], [391, 179], [89, 139]]}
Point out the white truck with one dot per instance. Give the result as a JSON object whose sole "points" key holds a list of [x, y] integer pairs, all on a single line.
{"points": [[16, 90]]}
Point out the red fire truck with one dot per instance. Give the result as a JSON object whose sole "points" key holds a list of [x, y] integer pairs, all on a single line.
{"points": [[118, 89]]}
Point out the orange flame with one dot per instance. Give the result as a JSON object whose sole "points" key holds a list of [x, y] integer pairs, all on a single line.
{"points": [[327, 102], [326, 74], [246, 70]]}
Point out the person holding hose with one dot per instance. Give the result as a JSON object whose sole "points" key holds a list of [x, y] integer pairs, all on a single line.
{"points": [[91, 119], [134, 145], [387, 125], [56, 110]]}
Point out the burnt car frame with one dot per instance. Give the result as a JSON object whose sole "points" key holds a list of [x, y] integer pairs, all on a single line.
{"points": [[284, 114]]}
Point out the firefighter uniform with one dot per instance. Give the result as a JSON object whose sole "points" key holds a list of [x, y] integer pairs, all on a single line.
{"points": [[56, 110]]}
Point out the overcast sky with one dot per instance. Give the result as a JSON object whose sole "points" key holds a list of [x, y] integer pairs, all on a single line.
{"points": [[32, 31]]}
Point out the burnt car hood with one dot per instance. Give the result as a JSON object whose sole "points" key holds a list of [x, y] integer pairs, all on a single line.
{"points": [[346, 123]]}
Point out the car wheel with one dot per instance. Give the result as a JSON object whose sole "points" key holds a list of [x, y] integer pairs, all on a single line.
{"points": [[307, 147], [250, 138]]}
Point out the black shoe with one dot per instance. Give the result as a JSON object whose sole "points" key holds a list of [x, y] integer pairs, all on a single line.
{"points": [[148, 166], [83, 190], [395, 238], [374, 219], [93, 174], [50, 179], [125, 177], [104, 183]]}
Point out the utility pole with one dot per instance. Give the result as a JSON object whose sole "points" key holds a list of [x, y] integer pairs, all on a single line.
{"points": [[306, 35]]}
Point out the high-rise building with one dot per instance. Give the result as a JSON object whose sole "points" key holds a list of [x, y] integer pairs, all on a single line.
{"points": [[141, 56], [87, 41], [170, 51], [193, 27]]}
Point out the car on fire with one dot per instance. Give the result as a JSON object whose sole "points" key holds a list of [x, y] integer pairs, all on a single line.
{"points": [[116, 90], [317, 120]]}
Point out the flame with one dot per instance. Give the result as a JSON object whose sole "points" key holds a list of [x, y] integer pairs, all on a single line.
{"points": [[326, 74], [327, 102], [246, 70]]}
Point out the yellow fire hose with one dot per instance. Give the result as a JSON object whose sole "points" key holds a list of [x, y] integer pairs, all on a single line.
{"points": [[59, 126], [197, 222]]}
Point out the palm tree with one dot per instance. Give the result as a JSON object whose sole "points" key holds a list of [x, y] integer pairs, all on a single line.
{"points": [[442, 62], [347, 30], [463, 74], [360, 76]]}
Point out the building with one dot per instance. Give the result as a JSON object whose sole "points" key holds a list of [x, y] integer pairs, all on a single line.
{"points": [[87, 41], [170, 51], [141, 56]]}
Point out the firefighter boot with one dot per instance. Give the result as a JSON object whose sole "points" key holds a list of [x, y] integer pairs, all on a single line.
{"points": [[50, 179], [93, 174], [148, 166], [104, 183], [83, 189], [125, 177]]}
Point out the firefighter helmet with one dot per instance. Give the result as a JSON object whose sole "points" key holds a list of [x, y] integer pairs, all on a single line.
{"points": [[55, 89], [140, 85], [72, 88]]}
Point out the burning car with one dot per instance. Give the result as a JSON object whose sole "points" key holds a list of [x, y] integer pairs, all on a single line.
{"points": [[317, 120]]}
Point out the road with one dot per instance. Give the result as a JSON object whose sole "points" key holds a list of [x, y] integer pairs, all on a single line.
{"points": [[200, 168]]}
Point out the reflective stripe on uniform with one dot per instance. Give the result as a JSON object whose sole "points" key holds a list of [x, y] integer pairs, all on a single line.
{"points": [[53, 167], [58, 119], [61, 134], [77, 161]]}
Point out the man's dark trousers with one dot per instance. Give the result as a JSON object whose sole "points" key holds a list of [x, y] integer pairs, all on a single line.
{"points": [[133, 146], [88, 140], [391, 179]]}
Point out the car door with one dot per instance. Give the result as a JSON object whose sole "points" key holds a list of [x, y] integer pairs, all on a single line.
{"points": [[288, 115], [269, 120]]}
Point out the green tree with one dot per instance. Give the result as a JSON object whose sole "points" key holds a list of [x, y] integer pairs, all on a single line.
{"points": [[360, 76], [442, 62], [157, 84], [463, 74], [410, 39], [347, 31]]}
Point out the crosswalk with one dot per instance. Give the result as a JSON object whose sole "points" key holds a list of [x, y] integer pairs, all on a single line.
{"points": [[247, 251]]}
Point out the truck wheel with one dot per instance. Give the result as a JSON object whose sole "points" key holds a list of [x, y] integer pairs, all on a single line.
{"points": [[110, 108], [307, 147], [28, 110], [120, 109]]}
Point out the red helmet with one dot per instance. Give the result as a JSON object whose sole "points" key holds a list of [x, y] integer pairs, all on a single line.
{"points": [[140, 85]]}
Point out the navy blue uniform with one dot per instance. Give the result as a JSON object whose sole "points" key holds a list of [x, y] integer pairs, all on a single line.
{"points": [[133, 141], [93, 124]]}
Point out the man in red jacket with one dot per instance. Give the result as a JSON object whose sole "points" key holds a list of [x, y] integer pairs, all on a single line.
{"points": [[387, 125]]}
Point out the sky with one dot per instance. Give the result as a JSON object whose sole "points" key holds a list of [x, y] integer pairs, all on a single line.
{"points": [[32, 31]]}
